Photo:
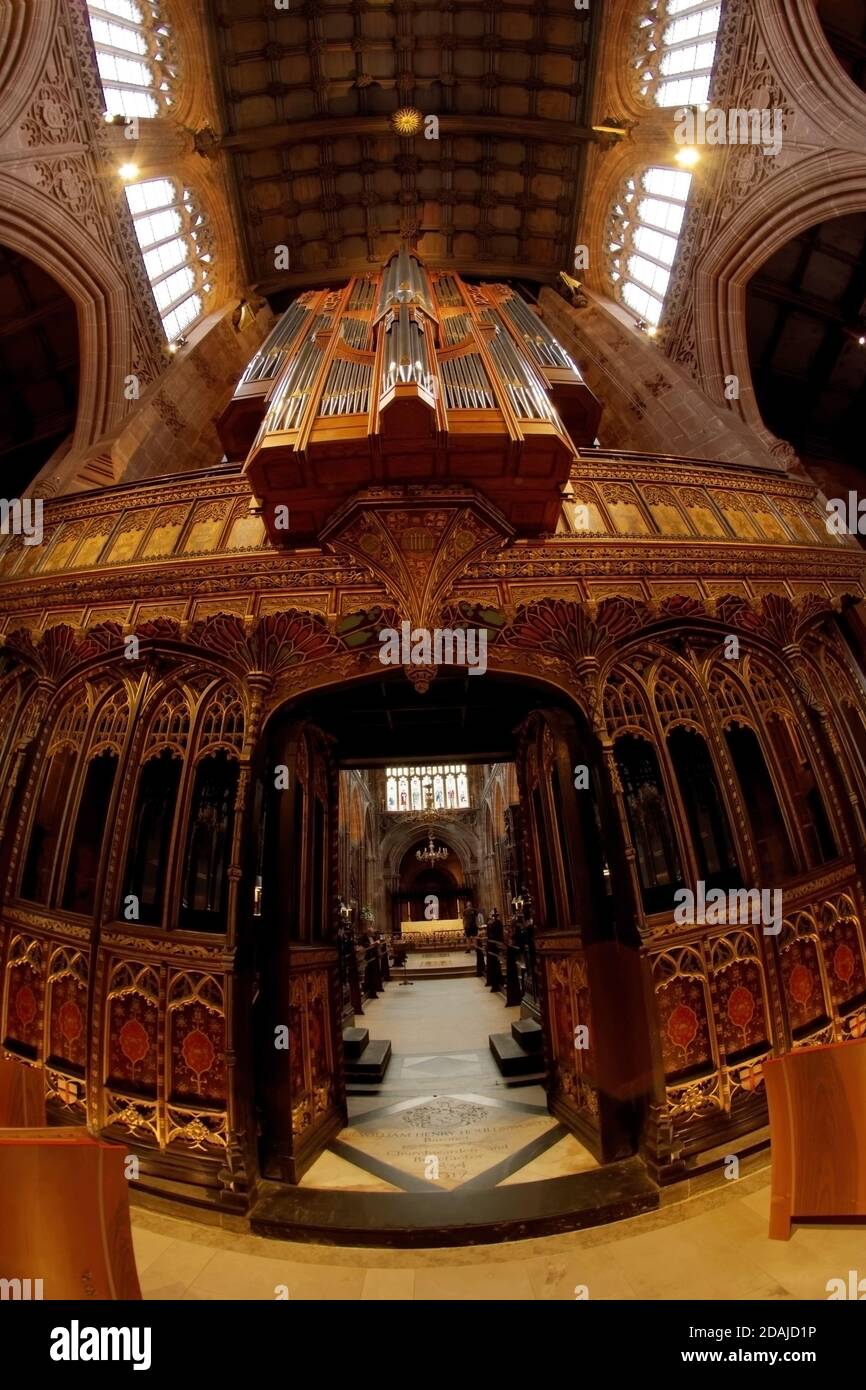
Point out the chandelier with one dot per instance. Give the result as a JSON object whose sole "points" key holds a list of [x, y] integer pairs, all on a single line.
{"points": [[431, 853]]}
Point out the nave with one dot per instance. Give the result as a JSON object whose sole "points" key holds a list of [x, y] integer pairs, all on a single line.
{"points": [[444, 1118]]}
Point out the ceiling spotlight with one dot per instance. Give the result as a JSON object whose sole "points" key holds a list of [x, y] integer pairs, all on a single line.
{"points": [[128, 171], [688, 156], [108, 117], [862, 341], [407, 121]]}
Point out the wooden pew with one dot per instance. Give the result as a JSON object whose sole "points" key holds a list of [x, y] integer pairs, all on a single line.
{"points": [[817, 1103], [22, 1094], [64, 1215]]}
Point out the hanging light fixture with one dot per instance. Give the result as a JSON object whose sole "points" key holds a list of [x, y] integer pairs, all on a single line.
{"points": [[431, 853]]}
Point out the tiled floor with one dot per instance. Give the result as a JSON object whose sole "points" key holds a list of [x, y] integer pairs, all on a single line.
{"points": [[444, 1116], [713, 1247], [443, 1097]]}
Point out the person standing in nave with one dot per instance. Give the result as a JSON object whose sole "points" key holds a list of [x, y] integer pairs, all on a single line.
{"points": [[470, 927]]}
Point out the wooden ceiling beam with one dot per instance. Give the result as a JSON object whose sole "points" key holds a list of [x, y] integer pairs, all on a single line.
{"points": [[340, 272], [331, 127], [10, 326]]}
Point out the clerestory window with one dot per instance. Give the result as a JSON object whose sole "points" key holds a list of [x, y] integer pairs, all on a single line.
{"points": [[133, 52], [176, 246], [675, 48], [643, 233]]}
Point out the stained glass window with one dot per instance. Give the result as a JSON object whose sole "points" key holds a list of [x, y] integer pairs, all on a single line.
{"points": [[419, 788]]}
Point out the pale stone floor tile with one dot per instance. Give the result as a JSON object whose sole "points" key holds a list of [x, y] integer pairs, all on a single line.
{"points": [[317, 1284], [246, 1277], [331, 1171], [171, 1273], [707, 1249], [711, 1255], [147, 1246], [566, 1157], [474, 1283], [557, 1277], [388, 1284]]}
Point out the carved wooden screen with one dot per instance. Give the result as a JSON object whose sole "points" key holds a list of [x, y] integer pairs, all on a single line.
{"points": [[588, 964], [298, 1015]]}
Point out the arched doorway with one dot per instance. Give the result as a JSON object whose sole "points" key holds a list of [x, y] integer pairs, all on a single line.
{"points": [[584, 968]]}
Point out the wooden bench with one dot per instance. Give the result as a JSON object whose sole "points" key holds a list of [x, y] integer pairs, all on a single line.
{"points": [[817, 1103], [22, 1094], [64, 1215]]}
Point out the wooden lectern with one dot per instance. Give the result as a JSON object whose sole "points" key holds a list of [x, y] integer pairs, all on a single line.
{"points": [[22, 1094], [64, 1216], [817, 1102]]}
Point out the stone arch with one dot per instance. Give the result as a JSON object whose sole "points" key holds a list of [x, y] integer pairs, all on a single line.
{"points": [[795, 37], [26, 35], [399, 839], [833, 182], [42, 229]]}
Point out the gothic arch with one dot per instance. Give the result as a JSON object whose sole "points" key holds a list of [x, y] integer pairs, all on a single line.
{"points": [[795, 37], [41, 228], [400, 838], [26, 34], [792, 202]]}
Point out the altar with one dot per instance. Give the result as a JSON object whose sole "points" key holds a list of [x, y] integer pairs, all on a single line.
{"points": [[425, 927]]}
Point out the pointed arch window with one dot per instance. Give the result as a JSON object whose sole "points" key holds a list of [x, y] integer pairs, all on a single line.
{"points": [[134, 56], [177, 249], [675, 49], [643, 234]]}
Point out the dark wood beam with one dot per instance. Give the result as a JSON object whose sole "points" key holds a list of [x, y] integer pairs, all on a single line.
{"points": [[331, 127], [34, 317], [776, 292], [321, 277]]}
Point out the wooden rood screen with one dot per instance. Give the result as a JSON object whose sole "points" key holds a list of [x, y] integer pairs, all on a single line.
{"points": [[64, 1217]]}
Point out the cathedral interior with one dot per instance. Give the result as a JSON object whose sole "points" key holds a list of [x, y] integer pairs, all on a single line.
{"points": [[432, 648]]}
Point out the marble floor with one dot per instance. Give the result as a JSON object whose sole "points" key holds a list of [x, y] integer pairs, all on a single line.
{"points": [[443, 1099], [710, 1247], [444, 1118]]}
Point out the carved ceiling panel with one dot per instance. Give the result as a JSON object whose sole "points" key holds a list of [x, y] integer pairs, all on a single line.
{"points": [[491, 186]]}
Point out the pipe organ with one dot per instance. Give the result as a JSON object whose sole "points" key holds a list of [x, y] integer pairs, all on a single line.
{"points": [[408, 375]]}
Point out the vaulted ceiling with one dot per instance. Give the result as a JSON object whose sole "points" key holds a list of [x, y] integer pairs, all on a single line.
{"points": [[309, 91]]}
